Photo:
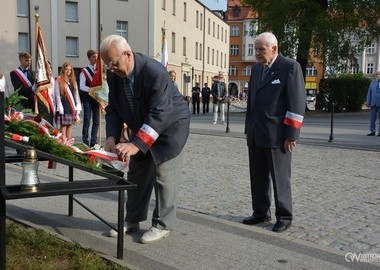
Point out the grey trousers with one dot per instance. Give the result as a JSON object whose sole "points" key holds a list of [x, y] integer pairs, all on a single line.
{"points": [[164, 178]]}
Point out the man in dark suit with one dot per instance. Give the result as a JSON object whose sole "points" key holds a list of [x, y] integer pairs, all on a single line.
{"points": [[23, 78], [275, 109], [143, 97], [206, 92], [195, 97]]}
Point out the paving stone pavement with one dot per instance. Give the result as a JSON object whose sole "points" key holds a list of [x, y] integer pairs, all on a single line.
{"points": [[336, 191]]}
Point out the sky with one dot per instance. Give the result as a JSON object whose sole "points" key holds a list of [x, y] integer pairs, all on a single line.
{"points": [[215, 4]]}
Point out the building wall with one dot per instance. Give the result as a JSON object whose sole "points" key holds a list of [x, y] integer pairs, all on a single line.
{"points": [[145, 18]]}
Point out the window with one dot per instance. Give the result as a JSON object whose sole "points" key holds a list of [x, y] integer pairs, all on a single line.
{"points": [[221, 59], [196, 50], [316, 50], [163, 6], [250, 49], [217, 32], [370, 68], [72, 46], [122, 29], [371, 48], [213, 29], [235, 31], [233, 70], [23, 42], [196, 19], [212, 57], [225, 36], [201, 21], [174, 7], [247, 71], [217, 57], [185, 11], [209, 26], [173, 42], [184, 46], [355, 69], [200, 52], [311, 71], [222, 34], [22, 8], [225, 60], [208, 55], [71, 11], [234, 50]]}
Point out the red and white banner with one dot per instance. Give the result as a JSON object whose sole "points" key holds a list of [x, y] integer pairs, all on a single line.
{"points": [[99, 87], [43, 81]]}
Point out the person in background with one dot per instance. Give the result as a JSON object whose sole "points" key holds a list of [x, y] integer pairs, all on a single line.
{"points": [[219, 94], [51, 92], [195, 96], [373, 102], [23, 78], [90, 105], [143, 97], [275, 110], [67, 100], [173, 77], [3, 85], [206, 92]]}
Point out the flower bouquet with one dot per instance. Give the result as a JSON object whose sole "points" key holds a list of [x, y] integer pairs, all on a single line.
{"points": [[37, 132]]}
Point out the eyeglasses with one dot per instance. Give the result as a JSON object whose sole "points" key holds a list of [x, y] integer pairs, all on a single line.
{"points": [[115, 64]]}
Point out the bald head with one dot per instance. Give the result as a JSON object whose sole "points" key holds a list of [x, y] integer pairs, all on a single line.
{"points": [[117, 55], [266, 48], [114, 40]]}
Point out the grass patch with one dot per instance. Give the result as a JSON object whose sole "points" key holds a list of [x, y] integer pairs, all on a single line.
{"points": [[28, 248]]}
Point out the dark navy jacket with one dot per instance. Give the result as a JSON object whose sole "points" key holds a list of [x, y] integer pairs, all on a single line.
{"points": [[161, 113]]}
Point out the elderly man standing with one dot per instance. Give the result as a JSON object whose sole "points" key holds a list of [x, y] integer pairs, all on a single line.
{"points": [[275, 109], [143, 96]]}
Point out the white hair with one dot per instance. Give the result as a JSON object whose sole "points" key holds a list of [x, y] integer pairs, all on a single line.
{"points": [[118, 41], [268, 37]]}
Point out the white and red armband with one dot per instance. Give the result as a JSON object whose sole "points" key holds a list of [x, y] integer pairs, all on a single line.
{"points": [[293, 119]]}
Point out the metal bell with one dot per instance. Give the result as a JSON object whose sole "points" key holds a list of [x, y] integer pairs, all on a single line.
{"points": [[30, 180]]}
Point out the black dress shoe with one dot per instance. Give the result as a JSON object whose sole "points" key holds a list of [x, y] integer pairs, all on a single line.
{"points": [[371, 134], [252, 220], [281, 226]]}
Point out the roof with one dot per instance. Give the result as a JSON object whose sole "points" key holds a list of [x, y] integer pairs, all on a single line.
{"points": [[246, 11]]}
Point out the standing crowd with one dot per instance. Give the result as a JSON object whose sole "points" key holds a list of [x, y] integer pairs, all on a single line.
{"points": [[147, 123]]}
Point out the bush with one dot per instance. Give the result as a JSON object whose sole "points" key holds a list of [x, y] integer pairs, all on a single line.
{"points": [[348, 92]]}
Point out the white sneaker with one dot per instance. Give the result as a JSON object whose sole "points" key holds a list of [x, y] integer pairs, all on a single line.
{"points": [[154, 234], [130, 228], [214, 123]]}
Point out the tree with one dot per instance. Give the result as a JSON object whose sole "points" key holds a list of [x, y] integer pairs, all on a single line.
{"points": [[338, 28]]}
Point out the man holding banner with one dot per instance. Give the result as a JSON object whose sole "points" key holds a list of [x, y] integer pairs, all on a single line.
{"points": [[90, 105]]}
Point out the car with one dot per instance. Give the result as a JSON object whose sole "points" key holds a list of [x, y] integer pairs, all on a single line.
{"points": [[310, 98]]}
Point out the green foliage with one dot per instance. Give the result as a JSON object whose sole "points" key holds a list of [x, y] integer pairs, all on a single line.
{"points": [[338, 28], [14, 101], [36, 249], [348, 92]]}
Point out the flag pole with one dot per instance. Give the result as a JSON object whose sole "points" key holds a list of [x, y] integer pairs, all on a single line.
{"points": [[36, 17]]}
